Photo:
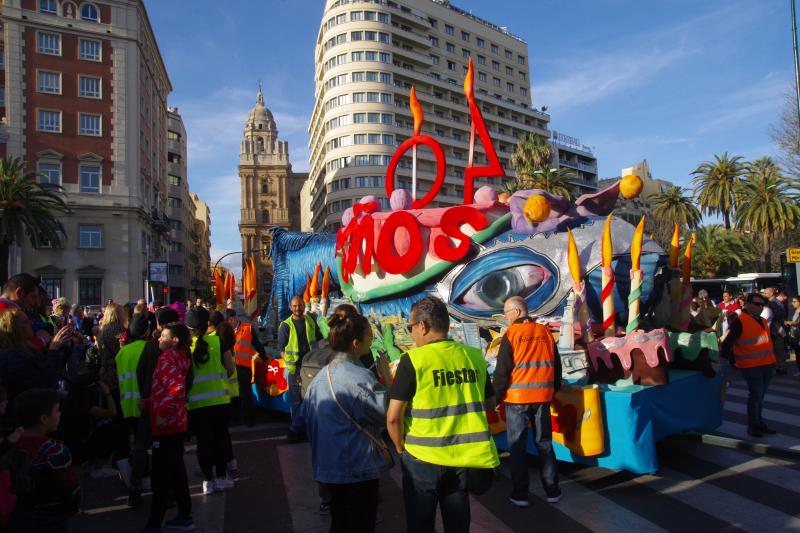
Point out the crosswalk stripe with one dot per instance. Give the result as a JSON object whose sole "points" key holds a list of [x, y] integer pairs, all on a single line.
{"points": [[592, 509], [769, 398], [772, 389], [739, 431], [770, 415], [724, 505]]}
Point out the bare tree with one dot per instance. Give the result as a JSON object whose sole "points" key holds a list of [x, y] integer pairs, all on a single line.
{"points": [[786, 135]]}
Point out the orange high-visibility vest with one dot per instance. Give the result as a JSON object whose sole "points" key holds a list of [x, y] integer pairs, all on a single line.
{"points": [[754, 346], [243, 348], [533, 376]]}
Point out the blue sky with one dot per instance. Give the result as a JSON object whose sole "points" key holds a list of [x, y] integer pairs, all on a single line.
{"points": [[670, 81]]}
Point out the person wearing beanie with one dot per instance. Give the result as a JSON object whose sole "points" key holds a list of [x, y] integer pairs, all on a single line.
{"points": [[209, 401]]}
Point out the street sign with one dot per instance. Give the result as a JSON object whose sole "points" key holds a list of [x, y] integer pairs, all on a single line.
{"points": [[793, 255], [158, 272]]}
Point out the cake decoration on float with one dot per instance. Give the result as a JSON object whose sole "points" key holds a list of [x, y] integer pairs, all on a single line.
{"points": [[606, 291]]}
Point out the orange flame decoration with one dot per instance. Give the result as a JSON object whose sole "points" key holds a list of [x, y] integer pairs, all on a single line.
{"points": [[687, 261], [469, 83], [253, 286], [231, 286], [608, 247], [675, 247], [636, 246], [326, 282], [314, 288], [219, 287], [573, 258], [416, 110], [307, 291]]}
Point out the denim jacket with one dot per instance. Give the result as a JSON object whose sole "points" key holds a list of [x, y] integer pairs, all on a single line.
{"points": [[340, 453]]}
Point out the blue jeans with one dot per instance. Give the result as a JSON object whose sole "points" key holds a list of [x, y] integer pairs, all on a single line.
{"points": [[294, 394], [517, 418], [757, 379], [424, 486]]}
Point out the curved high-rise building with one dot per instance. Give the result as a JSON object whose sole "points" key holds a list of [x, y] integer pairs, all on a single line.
{"points": [[368, 55]]}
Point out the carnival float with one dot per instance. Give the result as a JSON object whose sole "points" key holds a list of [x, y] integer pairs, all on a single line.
{"points": [[616, 302]]}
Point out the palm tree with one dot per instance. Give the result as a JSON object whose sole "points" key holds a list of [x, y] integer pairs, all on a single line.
{"points": [[715, 183], [768, 204], [27, 207], [720, 252], [673, 205], [533, 163]]}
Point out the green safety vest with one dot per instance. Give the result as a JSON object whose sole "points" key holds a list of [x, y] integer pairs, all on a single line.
{"points": [[127, 360], [292, 350], [233, 380], [210, 383], [446, 421]]}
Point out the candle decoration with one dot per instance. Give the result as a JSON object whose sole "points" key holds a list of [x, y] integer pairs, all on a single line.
{"points": [[607, 294], [686, 289], [636, 278]]}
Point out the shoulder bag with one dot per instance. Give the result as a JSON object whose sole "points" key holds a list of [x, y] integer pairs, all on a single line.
{"points": [[386, 454]]}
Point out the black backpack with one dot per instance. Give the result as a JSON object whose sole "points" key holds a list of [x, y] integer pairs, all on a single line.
{"points": [[313, 362]]}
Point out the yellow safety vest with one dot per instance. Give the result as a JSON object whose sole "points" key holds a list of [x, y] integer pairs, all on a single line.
{"points": [[210, 382], [446, 423], [233, 380], [292, 350], [127, 360]]}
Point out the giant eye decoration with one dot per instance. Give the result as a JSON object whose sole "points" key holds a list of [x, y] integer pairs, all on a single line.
{"points": [[488, 281]]}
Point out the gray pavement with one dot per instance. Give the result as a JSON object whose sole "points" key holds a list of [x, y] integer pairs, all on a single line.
{"points": [[700, 486]]}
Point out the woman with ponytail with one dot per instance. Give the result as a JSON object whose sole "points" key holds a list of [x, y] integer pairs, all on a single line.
{"points": [[209, 401], [343, 414]]}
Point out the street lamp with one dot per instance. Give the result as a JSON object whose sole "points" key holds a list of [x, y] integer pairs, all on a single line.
{"points": [[253, 251]]}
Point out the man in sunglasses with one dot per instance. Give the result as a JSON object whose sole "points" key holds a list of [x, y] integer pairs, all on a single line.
{"points": [[749, 347]]}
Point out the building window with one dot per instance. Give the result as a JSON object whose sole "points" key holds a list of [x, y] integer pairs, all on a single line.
{"points": [[90, 178], [48, 6], [496, 82], [176, 247], [509, 87], [89, 124], [523, 91], [495, 65], [451, 48], [495, 49], [52, 287], [89, 50], [481, 76], [434, 59], [48, 82], [176, 270], [465, 53], [481, 60], [49, 120], [451, 65], [174, 180], [89, 87], [509, 71], [522, 76], [448, 29], [49, 173], [48, 43], [90, 236], [521, 60], [464, 36], [174, 202], [509, 55], [480, 42], [173, 136], [89, 12], [434, 40], [89, 291]]}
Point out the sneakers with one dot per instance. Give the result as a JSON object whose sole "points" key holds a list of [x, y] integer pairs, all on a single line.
{"points": [[755, 432], [210, 487], [232, 469], [553, 495], [766, 430], [223, 483], [180, 523], [518, 501], [134, 497], [324, 508]]}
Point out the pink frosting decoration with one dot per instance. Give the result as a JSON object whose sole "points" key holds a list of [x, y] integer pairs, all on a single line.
{"points": [[400, 200], [347, 216], [368, 198], [485, 194], [652, 343]]}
